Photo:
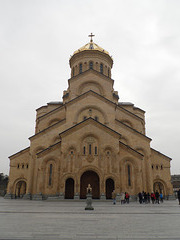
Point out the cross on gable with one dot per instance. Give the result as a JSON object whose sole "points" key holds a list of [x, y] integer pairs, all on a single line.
{"points": [[91, 36]]}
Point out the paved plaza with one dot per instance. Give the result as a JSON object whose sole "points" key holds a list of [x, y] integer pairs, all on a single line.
{"points": [[25, 219]]}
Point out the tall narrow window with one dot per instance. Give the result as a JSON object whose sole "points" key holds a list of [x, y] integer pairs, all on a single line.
{"points": [[50, 175], [89, 148], [84, 150], [129, 175], [80, 68], [95, 150], [108, 73], [73, 71], [91, 65], [101, 68]]}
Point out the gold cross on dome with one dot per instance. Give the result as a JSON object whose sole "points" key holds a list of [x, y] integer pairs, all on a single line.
{"points": [[91, 36]]}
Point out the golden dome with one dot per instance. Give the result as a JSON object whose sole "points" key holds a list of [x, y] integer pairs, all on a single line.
{"points": [[91, 46]]}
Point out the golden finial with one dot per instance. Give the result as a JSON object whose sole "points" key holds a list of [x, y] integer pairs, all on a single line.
{"points": [[91, 36]]}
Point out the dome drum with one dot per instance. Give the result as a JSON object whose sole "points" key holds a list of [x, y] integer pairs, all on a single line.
{"points": [[82, 61]]}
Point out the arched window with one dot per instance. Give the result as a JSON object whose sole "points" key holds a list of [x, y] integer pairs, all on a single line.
{"points": [[91, 65], [18, 165], [80, 68], [89, 148], [73, 71], [95, 150], [129, 175], [101, 68], [50, 175], [84, 150]]}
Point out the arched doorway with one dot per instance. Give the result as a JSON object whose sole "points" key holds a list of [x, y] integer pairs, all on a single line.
{"points": [[69, 188], [109, 188], [20, 189], [89, 177], [158, 186]]}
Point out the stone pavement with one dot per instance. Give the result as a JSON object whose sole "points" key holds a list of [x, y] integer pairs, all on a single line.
{"points": [[67, 220]]}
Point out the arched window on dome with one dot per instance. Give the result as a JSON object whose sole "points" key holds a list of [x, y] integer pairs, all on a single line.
{"points": [[73, 72], [90, 65], [108, 72], [101, 68], [50, 174], [129, 175], [80, 68]]}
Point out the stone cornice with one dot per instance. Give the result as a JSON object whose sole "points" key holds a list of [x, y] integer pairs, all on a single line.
{"points": [[159, 153], [132, 129], [85, 122], [47, 149], [131, 150], [20, 152], [91, 70], [96, 94], [46, 129]]}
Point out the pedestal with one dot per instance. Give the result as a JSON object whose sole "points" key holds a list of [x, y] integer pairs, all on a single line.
{"points": [[118, 197], [76, 196], [37, 196], [89, 202], [8, 196], [61, 196], [27, 196], [102, 197]]}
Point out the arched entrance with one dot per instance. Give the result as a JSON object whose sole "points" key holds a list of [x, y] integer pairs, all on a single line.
{"points": [[20, 189], [69, 188], [109, 188], [89, 177], [158, 186]]}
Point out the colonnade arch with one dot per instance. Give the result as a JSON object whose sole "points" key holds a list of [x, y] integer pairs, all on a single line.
{"points": [[109, 188], [20, 188], [92, 178], [69, 188], [160, 186]]}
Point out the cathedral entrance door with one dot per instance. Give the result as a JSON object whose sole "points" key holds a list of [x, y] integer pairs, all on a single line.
{"points": [[20, 189], [109, 188], [158, 186], [89, 177], [69, 189]]}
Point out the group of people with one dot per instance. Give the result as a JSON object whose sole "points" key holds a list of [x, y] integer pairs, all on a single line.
{"points": [[143, 197], [124, 198], [147, 197]]}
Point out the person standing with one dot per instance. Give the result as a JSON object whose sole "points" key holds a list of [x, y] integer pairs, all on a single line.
{"points": [[153, 197], [114, 197], [161, 197], [126, 197], [140, 197], [157, 196], [148, 197], [178, 194]]}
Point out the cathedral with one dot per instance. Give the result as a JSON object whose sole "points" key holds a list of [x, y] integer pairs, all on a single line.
{"points": [[89, 137]]}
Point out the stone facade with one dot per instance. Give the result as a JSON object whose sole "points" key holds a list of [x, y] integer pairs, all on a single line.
{"points": [[90, 137]]}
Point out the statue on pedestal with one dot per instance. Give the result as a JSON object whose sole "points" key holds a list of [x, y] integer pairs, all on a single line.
{"points": [[89, 198]]}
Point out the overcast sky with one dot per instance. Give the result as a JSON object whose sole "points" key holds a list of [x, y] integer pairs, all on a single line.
{"points": [[37, 38]]}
